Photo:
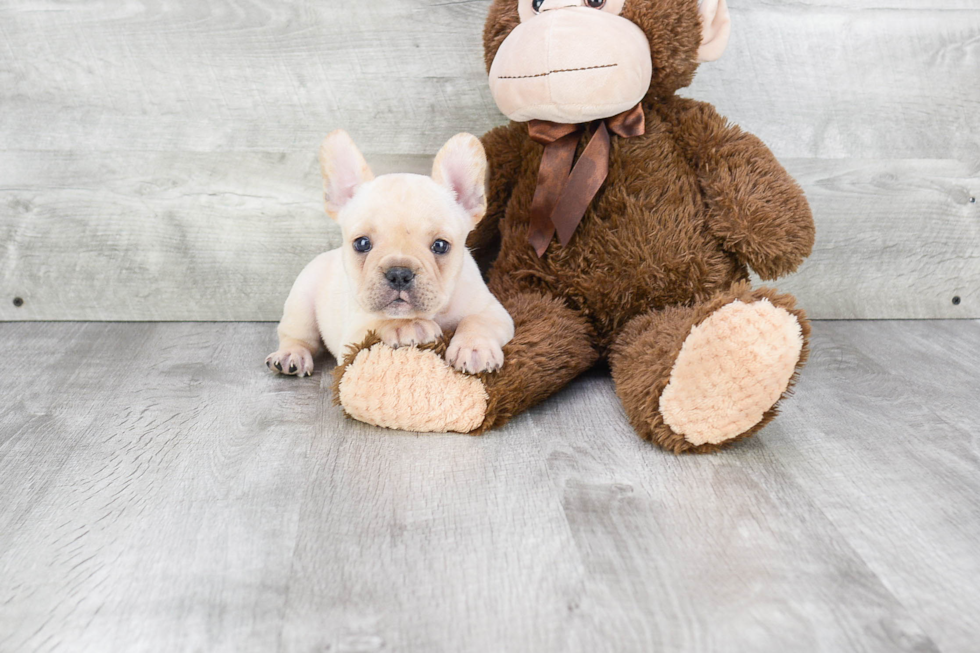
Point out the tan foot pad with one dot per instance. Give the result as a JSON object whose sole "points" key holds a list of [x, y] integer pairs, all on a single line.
{"points": [[412, 390], [733, 368]]}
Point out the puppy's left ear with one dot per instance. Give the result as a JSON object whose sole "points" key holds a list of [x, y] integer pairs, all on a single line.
{"points": [[461, 166], [716, 27]]}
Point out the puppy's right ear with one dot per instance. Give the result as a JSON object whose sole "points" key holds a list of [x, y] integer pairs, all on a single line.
{"points": [[344, 170], [461, 166]]}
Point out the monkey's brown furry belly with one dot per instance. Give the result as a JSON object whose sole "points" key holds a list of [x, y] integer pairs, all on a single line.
{"points": [[612, 274]]}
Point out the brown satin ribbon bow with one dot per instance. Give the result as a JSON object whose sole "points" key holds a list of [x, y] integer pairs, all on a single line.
{"points": [[564, 193]]}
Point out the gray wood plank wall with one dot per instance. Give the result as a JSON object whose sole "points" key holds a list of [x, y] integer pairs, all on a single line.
{"points": [[157, 157]]}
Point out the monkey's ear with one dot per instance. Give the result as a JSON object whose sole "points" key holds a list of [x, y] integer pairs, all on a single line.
{"points": [[461, 166], [716, 27], [344, 170]]}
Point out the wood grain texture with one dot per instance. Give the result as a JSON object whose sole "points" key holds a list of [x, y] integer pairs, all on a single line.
{"points": [[718, 553], [894, 239], [815, 79], [151, 489], [222, 236], [157, 157], [891, 456], [163, 492], [842, 80], [401, 75]]}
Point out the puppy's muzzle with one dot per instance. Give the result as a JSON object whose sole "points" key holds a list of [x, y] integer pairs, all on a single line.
{"points": [[399, 278]]}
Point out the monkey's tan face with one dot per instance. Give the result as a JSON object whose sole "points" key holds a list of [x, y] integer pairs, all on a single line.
{"points": [[404, 242], [571, 61]]}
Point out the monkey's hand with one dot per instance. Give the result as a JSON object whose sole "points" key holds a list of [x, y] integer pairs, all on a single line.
{"points": [[757, 210]]}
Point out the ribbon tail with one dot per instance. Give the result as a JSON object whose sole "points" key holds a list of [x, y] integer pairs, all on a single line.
{"points": [[556, 162], [583, 183]]}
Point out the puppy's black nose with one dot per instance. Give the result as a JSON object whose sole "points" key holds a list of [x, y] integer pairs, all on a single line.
{"points": [[399, 278]]}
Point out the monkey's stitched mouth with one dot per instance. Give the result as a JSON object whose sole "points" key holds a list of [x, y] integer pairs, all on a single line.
{"points": [[554, 72]]}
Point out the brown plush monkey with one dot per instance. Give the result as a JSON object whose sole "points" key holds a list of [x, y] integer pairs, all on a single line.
{"points": [[622, 221]]}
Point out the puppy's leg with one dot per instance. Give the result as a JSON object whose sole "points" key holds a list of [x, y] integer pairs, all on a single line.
{"points": [[405, 333], [299, 337], [477, 345], [294, 357]]}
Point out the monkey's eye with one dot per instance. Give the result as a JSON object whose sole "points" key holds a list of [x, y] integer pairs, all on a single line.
{"points": [[362, 245], [595, 4], [536, 6], [440, 247]]}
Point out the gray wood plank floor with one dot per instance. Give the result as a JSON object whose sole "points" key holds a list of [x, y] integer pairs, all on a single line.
{"points": [[160, 491]]}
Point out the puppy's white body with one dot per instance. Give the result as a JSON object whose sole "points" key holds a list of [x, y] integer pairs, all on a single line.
{"points": [[322, 304], [392, 275]]}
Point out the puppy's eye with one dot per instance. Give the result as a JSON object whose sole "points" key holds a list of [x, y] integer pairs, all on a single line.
{"points": [[362, 245], [536, 6], [595, 4], [440, 247]]}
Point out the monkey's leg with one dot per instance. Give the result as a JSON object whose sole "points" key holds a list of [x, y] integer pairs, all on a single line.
{"points": [[414, 389], [698, 378], [552, 345]]}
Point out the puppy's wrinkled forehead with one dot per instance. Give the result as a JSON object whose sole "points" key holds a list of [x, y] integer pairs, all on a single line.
{"points": [[403, 202]]}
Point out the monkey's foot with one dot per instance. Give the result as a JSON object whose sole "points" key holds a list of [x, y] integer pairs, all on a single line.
{"points": [[731, 371], [409, 388]]}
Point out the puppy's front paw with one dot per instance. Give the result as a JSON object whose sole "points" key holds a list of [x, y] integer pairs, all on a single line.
{"points": [[404, 333], [474, 354], [295, 361]]}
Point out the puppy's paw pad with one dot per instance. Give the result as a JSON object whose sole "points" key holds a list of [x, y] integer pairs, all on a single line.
{"points": [[475, 354], [405, 333], [293, 361]]}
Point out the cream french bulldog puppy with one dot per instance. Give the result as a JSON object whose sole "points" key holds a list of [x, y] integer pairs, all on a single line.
{"points": [[403, 270]]}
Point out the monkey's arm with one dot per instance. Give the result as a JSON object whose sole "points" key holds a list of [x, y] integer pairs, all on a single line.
{"points": [[757, 210], [504, 147]]}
